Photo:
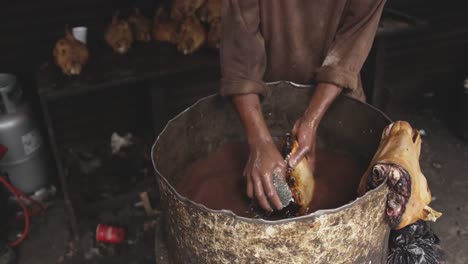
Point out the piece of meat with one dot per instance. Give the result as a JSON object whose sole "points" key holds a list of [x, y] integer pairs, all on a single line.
{"points": [[119, 35], [210, 11], [214, 34], [300, 179], [70, 54], [182, 9], [165, 29], [397, 161], [192, 36], [141, 26]]}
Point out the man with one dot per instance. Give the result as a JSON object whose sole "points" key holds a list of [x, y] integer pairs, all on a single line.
{"points": [[305, 41]]}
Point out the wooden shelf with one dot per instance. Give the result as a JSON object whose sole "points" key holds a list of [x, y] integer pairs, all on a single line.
{"points": [[154, 60], [106, 69]]}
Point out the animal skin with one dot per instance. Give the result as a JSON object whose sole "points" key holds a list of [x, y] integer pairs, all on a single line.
{"points": [[141, 26], [70, 54], [192, 36], [165, 29], [210, 11], [397, 161], [119, 35], [300, 179], [182, 9]]}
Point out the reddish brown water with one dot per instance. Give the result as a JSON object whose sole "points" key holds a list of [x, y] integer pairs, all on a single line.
{"points": [[217, 182]]}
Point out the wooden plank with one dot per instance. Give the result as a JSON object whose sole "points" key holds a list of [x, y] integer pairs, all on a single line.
{"points": [[143, 62]]}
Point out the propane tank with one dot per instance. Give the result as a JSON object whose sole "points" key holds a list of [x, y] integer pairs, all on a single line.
{"points": [[26, 162]]}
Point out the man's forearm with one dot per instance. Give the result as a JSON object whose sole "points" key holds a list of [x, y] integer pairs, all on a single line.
{"points": [[250, 113], [324, 95]]}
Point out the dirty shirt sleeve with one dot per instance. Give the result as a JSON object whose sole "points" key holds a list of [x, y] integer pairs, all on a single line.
{"points": [[242, 50], [352, 43]]}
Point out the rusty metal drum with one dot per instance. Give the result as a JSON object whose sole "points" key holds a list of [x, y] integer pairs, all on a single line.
{"points": [[353, 233]]}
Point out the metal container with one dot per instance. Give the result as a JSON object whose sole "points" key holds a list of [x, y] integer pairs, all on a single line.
{"points": [[354, 233], [26, 161]]}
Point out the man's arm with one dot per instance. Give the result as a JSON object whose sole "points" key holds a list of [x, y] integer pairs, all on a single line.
{"points": [[352, 43], [264, 157], [340, 69], [305, 129], [242, 49], [243, 63]]}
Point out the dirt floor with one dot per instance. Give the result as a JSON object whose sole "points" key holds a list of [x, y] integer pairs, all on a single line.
{"points": [[50, 239], [443, 161]]}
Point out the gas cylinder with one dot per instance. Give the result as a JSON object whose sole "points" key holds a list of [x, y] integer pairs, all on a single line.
{"points": [[26, 162]]}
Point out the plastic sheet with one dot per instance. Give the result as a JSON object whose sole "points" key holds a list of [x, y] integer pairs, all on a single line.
{"points": [[415, 244]]}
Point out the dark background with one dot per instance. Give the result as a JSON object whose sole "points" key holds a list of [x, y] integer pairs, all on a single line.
{"points": [[432, 60], [29, 29], [429, 60]]}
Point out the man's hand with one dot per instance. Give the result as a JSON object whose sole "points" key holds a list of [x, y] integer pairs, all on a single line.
{"points": [[305, 129], [264, 158]]}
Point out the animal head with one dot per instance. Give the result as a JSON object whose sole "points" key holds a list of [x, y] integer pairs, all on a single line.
{"points": [[141, 26], [165, 29], [192, 35], [70, 54], [397, 160], [119, 35]]}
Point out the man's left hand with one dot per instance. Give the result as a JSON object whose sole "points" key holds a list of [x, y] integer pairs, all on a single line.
{"points": [[305, 129]]}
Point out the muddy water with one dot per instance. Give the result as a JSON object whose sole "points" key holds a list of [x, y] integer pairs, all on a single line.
{"points": [[217, 182]]}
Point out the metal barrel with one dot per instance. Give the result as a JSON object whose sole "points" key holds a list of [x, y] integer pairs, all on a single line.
{"points": [[353, 233]]}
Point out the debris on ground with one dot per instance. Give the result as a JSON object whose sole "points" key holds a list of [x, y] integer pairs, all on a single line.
{"points": [[436, 165], [117, 142]]}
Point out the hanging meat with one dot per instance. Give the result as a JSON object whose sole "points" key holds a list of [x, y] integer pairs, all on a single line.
{"points": [[70, 54], [182, 9], [397, 161], [210, 11], [119, 35], [165, 29], [141, 26], [192, 36]]}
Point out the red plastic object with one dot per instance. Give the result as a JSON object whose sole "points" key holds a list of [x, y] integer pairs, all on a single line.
{"points": [[110, 234]]}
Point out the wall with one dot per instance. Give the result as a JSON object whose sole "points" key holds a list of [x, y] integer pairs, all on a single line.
{"points": [[416, 63], [434, 59], [29, 29]]}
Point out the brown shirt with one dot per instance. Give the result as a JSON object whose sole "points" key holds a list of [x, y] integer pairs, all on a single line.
{"points": [[296, 40]]}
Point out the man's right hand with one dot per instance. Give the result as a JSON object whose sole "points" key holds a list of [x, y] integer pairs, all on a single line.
{"points": [[264, 160]]}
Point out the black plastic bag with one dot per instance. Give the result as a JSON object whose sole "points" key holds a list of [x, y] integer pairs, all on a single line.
{"points": [[414, 244]]}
